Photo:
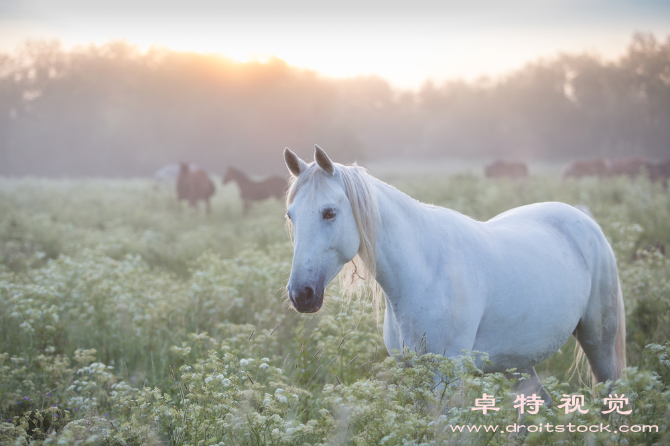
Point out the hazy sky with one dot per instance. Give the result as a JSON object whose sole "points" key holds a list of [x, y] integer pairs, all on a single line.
{"points": [[405, 42]]}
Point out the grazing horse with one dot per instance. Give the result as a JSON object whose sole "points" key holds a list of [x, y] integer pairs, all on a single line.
{"points": [[194, 184], [660, 171], [512, 169], [516, 286], [255, 190], [628, 165], [586, 168]]}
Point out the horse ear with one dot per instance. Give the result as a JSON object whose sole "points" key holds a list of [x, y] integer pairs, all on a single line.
{"points": [[322, 160], [294, 163]]}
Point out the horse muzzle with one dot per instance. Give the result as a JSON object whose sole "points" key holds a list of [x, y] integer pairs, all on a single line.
{"points": [[306, 299]]}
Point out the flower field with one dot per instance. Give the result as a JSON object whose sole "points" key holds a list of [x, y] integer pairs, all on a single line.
{"points": [[127, 318]]}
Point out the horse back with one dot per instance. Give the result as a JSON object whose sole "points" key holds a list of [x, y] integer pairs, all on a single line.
{"points": [[271, 187], [276, 187], [555, 239]]}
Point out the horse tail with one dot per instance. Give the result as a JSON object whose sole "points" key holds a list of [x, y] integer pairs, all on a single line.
{"points": [[620, 342], [580, 367], [580, 363]]}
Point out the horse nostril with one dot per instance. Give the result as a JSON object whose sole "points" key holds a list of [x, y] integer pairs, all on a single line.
{"points": [[309, 292]]}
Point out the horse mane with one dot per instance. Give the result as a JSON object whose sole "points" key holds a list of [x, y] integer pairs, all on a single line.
{"points": [[359, 188]]}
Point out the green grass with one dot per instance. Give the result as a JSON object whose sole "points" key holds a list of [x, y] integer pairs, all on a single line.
{"points": [[126, 318]]}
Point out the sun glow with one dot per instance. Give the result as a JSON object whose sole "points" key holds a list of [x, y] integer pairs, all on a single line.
{"points": [[404, 45], [406, 61]]}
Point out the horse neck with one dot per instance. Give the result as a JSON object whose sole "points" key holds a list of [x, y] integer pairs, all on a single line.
{"points": [[408, 239], [240, 177]]}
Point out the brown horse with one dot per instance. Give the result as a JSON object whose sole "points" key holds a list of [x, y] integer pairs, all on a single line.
{"points": [[194, 184], [660, 171], [628, 165], [512, 169], [586, 168], [255, 190]]}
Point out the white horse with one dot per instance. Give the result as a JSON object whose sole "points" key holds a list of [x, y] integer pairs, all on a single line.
{"points": [[515, 287]]}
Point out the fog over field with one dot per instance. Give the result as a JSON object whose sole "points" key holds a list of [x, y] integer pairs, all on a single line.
{"points": [[115, 111]]}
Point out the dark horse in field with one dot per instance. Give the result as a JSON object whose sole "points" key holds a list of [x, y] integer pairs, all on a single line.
{"points": [[630, 166], [511, 169], [586, 168], [194, 184], [255, 190]]}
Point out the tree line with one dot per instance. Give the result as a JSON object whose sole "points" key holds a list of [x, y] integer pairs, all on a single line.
{"points": [[112, 110]]}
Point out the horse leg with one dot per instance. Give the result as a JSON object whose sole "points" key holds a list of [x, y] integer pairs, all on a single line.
{"points": [[598, 345], [528, 387], [531, 385], [247, 206], [208, 206]]}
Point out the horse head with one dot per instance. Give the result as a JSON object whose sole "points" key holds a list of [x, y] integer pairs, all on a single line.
{"points": [[325, 231]]}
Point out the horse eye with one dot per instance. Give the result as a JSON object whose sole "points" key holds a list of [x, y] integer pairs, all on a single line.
{"points": [[289, 216], [329, 214]]}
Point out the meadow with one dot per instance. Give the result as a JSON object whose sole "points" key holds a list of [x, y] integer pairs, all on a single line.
{"points": [[127, 318]]}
